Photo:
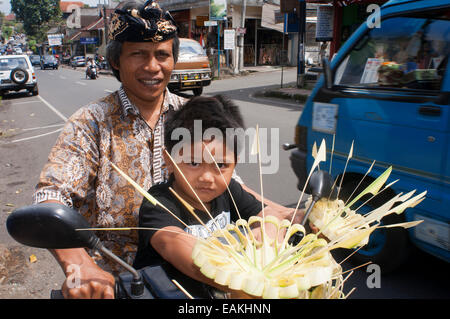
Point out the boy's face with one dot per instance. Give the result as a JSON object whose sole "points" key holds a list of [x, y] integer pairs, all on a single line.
{"points": [[202, 172]]}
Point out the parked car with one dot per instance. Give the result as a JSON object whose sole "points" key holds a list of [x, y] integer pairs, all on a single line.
{"points": [[49, 62], [35, 60], [192, 71], [78, 61], [17, 73], [388, 91]]}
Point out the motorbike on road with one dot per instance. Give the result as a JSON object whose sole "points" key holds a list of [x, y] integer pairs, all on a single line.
{"points": [[55, 226], [92, 72]]}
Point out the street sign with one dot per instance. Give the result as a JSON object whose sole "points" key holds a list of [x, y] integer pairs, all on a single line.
{"points": [[88, 40], [210, 23], [229, 39], [241, 30], [54, 39], [324, 26], [218, 9]]}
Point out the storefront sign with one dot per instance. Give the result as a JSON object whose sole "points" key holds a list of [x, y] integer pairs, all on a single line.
{"points": [[200, 21], [88, 40], [210, 23], [229, 39], [218, 9], [54, 39], [324, 26]]}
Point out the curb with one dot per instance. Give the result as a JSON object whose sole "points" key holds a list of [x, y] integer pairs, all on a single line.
{"points": [[280, 94]]}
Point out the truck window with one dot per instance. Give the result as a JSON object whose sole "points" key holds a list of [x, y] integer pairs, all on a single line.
{"points": [[406, 53]]}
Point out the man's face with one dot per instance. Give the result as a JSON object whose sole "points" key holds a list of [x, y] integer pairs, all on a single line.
{"points": [[208, 178], [145, 69]]}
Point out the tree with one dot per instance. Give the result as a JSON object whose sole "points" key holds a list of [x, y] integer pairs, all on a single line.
{"points": [[36, 14]]}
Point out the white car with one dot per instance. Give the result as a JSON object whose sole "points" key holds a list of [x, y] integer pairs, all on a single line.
{"points": [[17, 73]]}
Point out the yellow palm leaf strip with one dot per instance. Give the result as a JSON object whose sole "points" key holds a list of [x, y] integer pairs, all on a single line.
{"points": [[321, 157], [404, 225], [198, 198], [134, 228], [228, 189], [182, 289], [223, 177], [144, 193], [332, 153], [190, 186], [189, 208], [350, 155], [341, 284], [365, 264], [362, 179]]}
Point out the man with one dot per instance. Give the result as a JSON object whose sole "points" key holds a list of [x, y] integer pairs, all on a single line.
{"points": [[124, 128]]}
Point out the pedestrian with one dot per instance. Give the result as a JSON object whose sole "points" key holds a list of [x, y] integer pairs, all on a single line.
{"points": [[124, 128]]}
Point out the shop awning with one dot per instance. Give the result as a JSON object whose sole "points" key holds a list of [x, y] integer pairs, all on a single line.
{"points": [[269, 17]]}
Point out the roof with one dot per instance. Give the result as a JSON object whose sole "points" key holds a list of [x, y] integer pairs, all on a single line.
{"points": [[69, 6], [96, 25], [10, 17]]}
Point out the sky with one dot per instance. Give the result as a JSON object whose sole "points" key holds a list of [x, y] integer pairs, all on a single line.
{"points": [[5, 6]]}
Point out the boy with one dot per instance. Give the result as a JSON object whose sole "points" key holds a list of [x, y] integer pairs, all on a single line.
{"points": [[206, 183]]}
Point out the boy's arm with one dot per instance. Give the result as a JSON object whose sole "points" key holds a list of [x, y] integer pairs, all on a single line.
{"points": [[177, 250]]}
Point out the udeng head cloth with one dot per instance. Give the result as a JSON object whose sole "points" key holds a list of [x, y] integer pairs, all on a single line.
{"points": [[148, 23]]}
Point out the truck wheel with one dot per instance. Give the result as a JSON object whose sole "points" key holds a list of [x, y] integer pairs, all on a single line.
{"points": [[198, 91], [388, 247]]}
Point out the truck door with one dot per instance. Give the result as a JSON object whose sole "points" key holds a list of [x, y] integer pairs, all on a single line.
{"points": [[391, 98]]}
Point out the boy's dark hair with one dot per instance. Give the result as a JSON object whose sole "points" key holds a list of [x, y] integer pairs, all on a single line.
{"points": [[214, 112]]}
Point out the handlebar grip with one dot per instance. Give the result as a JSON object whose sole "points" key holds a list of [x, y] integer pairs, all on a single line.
{"points": [[56, 294]]}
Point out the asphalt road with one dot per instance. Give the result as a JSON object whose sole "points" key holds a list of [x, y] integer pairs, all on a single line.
{"points": [[30, 126]]}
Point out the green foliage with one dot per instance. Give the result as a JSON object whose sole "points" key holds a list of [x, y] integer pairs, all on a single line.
{"points": [[36, 14], [7, 32]]}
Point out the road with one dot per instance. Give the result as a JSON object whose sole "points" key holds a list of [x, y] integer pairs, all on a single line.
{"points": [[30, 126]]}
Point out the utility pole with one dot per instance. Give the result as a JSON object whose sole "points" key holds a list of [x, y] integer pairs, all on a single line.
{"points": [[241, 36], [301, 14], [105, 23]]}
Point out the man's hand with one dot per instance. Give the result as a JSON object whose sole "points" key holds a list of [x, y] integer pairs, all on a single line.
{"points": [[84, 278], [88, 281]]}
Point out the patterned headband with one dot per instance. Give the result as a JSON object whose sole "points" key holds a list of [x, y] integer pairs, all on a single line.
{"points": [[147, 24]]}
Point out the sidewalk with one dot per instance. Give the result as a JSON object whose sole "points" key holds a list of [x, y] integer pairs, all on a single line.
{"points": [[289, 91]]}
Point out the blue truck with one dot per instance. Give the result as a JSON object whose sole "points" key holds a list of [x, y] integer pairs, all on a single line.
{"points": [[387, 90]]}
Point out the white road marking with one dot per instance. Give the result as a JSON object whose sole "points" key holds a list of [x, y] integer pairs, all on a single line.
{"points": [[109, 91], [62, 77], [41, 127], [80, 83], [33, 137], [27, 102], [51, 107]]}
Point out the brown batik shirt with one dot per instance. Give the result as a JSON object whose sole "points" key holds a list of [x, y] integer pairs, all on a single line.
{"points": [[79, 174]]}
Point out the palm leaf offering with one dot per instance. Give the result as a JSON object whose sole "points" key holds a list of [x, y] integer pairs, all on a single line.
{"points": [[288, 262]]}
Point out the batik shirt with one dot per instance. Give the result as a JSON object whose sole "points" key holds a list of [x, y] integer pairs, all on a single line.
{"points": [[79, 174]]}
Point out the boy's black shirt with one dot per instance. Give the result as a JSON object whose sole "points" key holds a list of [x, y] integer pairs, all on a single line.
{"points": [[222, 209]]}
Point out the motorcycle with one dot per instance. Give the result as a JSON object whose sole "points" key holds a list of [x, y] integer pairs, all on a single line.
{"points": [[55, 226], [92, 72]]}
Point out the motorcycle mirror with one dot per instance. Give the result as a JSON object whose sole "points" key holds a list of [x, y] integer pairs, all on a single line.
{"points": [[51, 226], [321, 185]]}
